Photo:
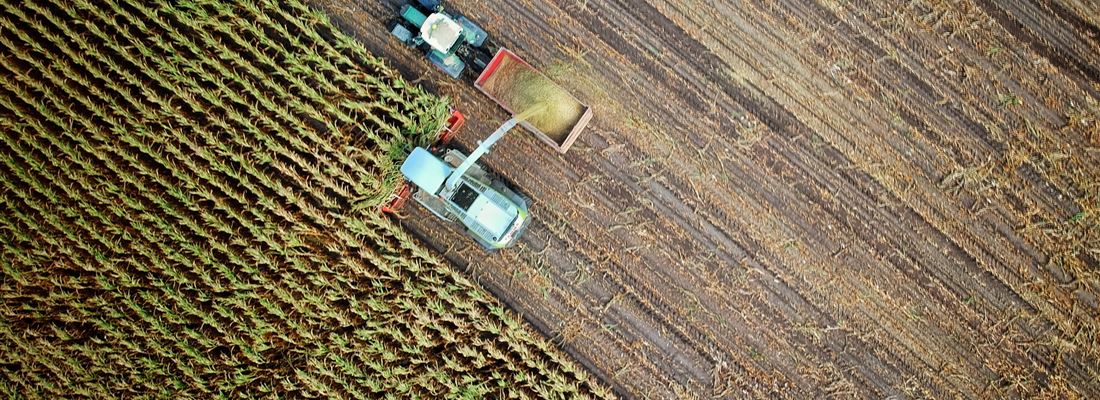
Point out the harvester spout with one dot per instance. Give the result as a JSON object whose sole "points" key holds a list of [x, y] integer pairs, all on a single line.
{"points": [[482, 148]]}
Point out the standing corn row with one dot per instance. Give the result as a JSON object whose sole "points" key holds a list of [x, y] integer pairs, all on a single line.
{"points": [[185, 200]]}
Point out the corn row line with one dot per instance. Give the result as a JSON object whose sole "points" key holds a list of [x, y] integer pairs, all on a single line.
{"points": [[221, 70], [183, 225], [115, 191], [125, 279], [414, 99]]}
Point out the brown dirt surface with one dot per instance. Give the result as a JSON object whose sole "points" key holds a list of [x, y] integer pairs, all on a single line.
{"points": [[800, 199]]}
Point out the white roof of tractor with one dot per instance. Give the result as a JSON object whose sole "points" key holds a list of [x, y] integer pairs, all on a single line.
{"points": [[441, 31]]}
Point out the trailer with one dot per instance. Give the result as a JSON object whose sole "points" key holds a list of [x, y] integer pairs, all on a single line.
{"points": [[518, 87], [458, 47]]}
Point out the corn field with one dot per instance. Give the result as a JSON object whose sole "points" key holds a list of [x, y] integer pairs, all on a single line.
{"points": [[188, 207]]}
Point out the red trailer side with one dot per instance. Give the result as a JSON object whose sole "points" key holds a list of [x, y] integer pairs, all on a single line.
{"points": [[516, 86]]}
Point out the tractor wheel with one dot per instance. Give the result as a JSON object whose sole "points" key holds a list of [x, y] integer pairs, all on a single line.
{"points": [[430, 5], [401, 32], [480, 60]]}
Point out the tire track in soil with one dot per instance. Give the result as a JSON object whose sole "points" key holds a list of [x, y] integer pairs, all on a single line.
{"points": [[892, 234], [1017, 241], [1022, 22], [662, 24], [770, 325]]}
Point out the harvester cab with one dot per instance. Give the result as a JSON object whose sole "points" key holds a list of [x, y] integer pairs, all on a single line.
{"points": [[455, 188], [452, 42]]}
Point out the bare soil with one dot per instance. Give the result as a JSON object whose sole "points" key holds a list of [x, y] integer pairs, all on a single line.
{"points": [[800, 199]]}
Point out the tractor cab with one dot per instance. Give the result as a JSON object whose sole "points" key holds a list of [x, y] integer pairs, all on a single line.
{"points": [[452, 42], [441, 32]]}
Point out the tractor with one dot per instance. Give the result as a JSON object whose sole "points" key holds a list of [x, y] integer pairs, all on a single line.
{"points": [[451, 42]]}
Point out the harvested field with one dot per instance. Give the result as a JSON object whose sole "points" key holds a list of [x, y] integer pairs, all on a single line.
{"points": [[189, 198], [801, 199]]}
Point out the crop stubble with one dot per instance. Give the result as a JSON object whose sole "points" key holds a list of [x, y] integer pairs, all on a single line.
{"points": [[803, 198]]}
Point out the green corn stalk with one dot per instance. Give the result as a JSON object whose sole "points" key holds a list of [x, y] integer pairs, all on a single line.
{"points": [[200, 208]]}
